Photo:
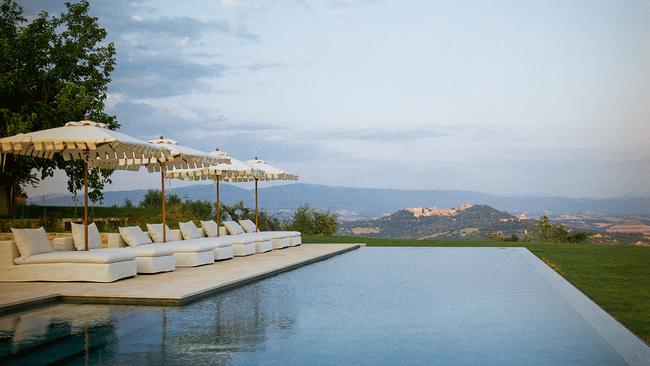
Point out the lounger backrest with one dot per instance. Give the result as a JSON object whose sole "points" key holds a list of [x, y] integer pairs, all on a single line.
{"points": [[8, 252], [115, 240], [63, 244]]}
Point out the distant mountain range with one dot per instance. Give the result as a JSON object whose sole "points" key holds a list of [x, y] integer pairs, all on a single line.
{"points": [[364, 203], [465, 222]]}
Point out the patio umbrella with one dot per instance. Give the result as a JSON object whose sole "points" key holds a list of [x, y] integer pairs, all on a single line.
{"points": [[91, 142], [263, 171], [183, 157], [236, 171]]}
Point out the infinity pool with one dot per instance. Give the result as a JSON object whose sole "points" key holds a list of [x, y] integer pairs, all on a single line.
{"points": [[372, 306]]}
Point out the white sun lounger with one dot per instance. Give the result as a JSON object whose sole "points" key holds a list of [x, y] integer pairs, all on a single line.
{"points": [[280, 238], [263, 242], [293, 238], [150, 258], [62, 266], [227, 246], [187, 253]]}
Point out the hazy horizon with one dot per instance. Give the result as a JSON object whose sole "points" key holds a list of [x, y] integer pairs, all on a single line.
{"points": [[517, 98]]}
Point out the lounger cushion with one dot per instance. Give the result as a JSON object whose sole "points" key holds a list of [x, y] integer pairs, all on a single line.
{"points": [[233, 227], [94, 240], [134, 236], [31, 241], [147, 250], [261, 236], [189, 230], [210, 228], [101, 257], [223, 241], [285, 234], [248, 225], [192, 246], [238, 239], [155, 230]]}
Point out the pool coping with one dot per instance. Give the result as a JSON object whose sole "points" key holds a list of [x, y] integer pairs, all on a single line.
{"points": [[57, 297], [633, 349]]}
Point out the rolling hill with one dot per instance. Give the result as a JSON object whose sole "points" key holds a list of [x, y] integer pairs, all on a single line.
{"points": [[464, 222], [365, 203]]}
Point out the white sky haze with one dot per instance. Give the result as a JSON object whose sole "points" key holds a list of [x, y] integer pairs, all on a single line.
{"points": [[504, 97]]}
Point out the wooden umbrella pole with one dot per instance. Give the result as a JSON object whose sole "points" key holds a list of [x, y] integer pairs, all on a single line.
{"points": [[86, 204], [162, 184], [257, 225], [218, 206]]}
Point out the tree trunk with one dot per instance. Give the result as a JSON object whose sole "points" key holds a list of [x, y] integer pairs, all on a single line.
{"points": [[5, 199]]}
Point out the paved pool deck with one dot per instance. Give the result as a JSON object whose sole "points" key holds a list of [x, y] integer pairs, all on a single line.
{"points": [[179, 287]]}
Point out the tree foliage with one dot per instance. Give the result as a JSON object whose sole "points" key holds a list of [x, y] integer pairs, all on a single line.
{"points": [[239, 211], [188, 209], [307, 220], [53, 69], [555, 232]]}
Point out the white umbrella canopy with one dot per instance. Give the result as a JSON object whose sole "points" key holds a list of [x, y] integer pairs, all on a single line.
{"points": [[184, 157], [83, 140], [262, 170], [89, 141], [236, 171]]}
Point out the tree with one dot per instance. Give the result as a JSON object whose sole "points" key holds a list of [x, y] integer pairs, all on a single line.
{"points": [[542, 230], [151, 199], [557, 233], [310, 221], [324, 223], [52, 70]]}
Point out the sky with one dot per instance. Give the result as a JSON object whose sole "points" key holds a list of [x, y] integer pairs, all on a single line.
{"points": [[544, 98]]}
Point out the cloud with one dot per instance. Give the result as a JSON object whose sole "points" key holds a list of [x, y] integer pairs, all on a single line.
{"points": [[228, 4], [402, 134], [156, 55], [181, 26], [139, 117], [157, 76]]}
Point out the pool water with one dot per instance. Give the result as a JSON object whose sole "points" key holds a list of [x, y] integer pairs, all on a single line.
{"points": [[372, 306]]}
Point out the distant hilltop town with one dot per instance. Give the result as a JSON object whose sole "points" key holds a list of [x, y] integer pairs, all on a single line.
{"points": [[434, 211]]}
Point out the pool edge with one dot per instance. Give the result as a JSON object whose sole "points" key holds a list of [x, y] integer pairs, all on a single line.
{"points": [[615, 333], [108, 300]]}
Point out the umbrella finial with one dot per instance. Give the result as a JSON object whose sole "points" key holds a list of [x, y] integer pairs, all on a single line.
{"points": [[161, 137]]}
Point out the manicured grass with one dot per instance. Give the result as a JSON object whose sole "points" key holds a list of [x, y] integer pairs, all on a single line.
{"points": [[616, 277]]}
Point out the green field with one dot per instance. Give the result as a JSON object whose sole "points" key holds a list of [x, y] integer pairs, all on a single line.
{"points": [[616, 277]]}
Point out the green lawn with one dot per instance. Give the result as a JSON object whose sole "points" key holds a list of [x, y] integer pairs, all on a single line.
{"points": [[617, 277]]}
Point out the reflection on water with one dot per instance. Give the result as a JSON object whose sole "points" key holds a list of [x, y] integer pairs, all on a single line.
{"points": [[384, 306], [210, 331]]}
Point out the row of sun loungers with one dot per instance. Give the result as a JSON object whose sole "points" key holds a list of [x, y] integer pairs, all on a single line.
{"points": [[31, 257]]}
